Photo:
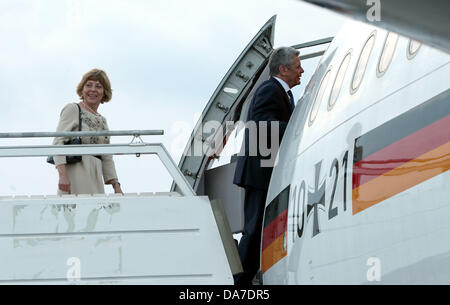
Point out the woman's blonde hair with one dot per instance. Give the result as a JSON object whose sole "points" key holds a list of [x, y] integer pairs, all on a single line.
{"points": [[100, 76]]}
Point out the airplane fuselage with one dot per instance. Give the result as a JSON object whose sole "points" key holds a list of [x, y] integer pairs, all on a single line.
{"points": [[360, 191]]}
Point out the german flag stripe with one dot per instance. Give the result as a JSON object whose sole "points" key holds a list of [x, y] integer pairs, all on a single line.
{"points": [[402, 153], [275, 229], [274, 232], [402, 126], [276, 207], [273, 254]]}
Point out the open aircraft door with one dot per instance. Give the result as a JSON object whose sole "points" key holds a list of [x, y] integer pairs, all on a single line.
{"points": [[210, 134]]}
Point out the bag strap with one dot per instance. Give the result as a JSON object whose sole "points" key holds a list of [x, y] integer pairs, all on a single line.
{"points": [[79, 119]]}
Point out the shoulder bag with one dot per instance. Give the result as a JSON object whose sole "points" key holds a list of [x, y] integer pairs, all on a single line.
{"points": [[76, 141]]}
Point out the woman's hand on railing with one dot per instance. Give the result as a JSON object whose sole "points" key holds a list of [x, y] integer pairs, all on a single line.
{"points": [[64, 182], [117, 188]]}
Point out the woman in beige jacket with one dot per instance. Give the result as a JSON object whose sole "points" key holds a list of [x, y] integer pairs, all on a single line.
{"points": [[89, 175]]}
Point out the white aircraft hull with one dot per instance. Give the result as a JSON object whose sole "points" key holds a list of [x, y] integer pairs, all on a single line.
{"points": [[386, 221]]}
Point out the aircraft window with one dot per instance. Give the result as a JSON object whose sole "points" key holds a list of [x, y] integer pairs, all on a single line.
{"points": [[362, 63], [387, 53], [413, 48], [338, 81], [319, 96]]}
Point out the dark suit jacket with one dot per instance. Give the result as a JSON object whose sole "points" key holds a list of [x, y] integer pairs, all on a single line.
{"points": [[269, 104]]}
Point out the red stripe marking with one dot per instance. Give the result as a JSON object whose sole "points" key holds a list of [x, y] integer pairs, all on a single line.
{"points": [[276, 228], [402, 151]]}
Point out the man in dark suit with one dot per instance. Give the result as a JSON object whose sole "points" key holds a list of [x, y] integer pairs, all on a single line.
{"points": [[268, 115]]}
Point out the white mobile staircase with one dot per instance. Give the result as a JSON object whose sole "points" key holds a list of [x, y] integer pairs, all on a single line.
{"points": [[146, 238]]}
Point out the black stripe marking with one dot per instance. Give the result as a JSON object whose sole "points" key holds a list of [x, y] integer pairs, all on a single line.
{"points": [[277, 206]]}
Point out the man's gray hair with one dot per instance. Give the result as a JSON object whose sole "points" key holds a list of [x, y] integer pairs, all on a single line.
{"points": [[281, 57]]}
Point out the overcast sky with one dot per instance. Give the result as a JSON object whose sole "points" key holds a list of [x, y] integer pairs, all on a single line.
{"points": [[164, 60]]}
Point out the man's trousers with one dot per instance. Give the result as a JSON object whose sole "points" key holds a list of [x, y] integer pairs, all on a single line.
{"points": [[250, 243]]}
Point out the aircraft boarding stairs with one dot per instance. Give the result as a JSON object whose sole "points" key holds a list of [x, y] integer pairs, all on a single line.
{"points": [[146, 238]]}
